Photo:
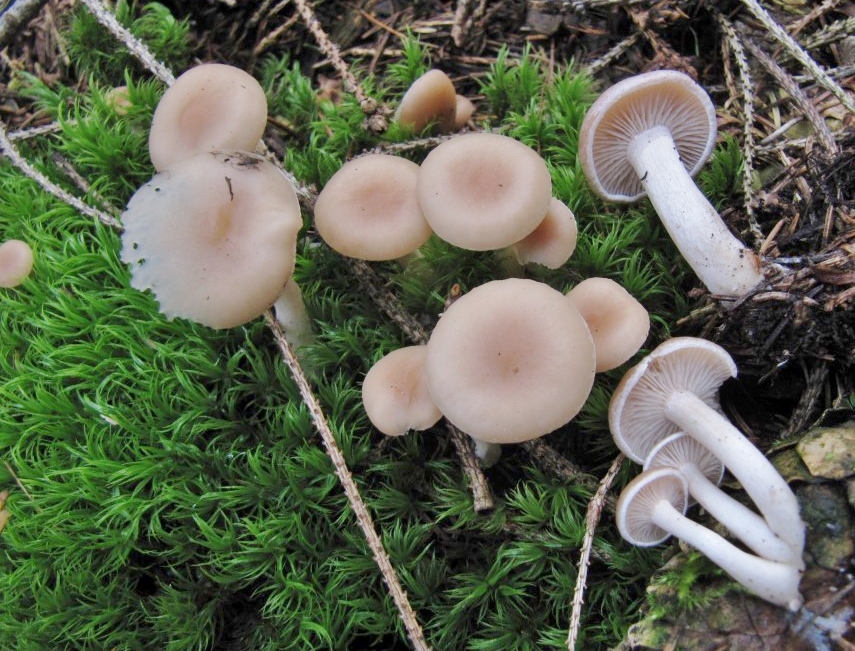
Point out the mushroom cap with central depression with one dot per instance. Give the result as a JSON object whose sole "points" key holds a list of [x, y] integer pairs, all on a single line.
{"points": [[662, 98], [510, 361]]}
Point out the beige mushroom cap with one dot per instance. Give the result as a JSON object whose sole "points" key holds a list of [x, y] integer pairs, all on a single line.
{"points": [[431, 98], [483, 191], [619, 324], [214, 237], [464, 112], [395, 395], [553, 241], [368, 209], [212, 107], [16, 262], [510, 361]]}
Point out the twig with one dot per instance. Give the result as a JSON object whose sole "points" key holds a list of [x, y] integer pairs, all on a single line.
{"points": [[798, 25], [464, 17], [482, 496], [617, 51], [363, 517], [11, 152], [592, 519], [799, 54], [139, 49], [15, 17]]}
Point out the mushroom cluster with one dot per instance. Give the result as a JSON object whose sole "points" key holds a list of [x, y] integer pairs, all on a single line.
{"points": [[213, 233], [665, 414], [507, 362]]}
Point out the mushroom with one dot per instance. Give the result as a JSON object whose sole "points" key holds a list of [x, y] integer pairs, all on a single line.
{"points": [[368, 209], [430, 98], [395, 395], [619, 324], [553, 241], [509, 361], [651, 508], [291, 313], [464, 111], [211, 107], [650, 134], [483, 191], [673, 389], [214, 237], [703, 471], [16, 262]]}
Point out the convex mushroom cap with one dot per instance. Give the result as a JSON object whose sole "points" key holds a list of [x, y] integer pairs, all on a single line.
{"points": [[652, 507], [211, 107], [649, 134], [369, 210], [553, 241], [213, 237], [483, 191], [16, 262], [430, 98], [395, 395], [510, 361], [619, 324]]}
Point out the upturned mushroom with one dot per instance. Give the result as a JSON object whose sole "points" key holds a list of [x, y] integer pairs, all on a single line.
{"points": [[509, 361], [483, 191], [675, 388], [211, 107], [213, 237], [619, 324], [652, 508], [553, 240], [395, 395], [649, 134], [430, 99], [368, 209], [16, 262], [703, 472]]}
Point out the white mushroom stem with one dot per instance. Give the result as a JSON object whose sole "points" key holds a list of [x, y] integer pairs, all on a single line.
{"points": [[487, 453], [777, 583], [761, 481], [741, 521], [723, 263]]}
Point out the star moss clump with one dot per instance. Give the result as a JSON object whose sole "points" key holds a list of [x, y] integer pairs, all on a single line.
{"points": [[168, 490]]}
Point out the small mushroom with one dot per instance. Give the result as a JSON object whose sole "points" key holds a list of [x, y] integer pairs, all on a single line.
{"points": [[431, 98], [652, 508], [675, 388], [509, 361], [650, 134], [214, 237], [483, 191], [619, 324], [368, 209], [395, 395], [703, 472], [16, 262], [211, 107], [464, 112], [553, 241], [291, 313]]}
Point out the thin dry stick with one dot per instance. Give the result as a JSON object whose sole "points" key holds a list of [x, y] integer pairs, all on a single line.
{"points": [[137, 47], [363, 517], [823, 133], [745, 86], [15, 17], [799, 54], [464, 17], [798, 25], [592, 519], [11, 152], [617, 51]]}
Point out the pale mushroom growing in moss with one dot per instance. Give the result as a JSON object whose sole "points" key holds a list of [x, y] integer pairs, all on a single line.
{"points": [[213, 237], [430, 99], [553, 240], [649, 134], [16, 262], [211, 107]]}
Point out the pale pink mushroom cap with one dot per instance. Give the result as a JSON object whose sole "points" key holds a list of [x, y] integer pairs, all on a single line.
{"points": [[214, 237], [464, 112], [431, 98], [368, 209], [212, 107], [16, 262], [553, 241], [510, 361], [619, 324], [395, 395], [484, 191], [662, 98]]}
